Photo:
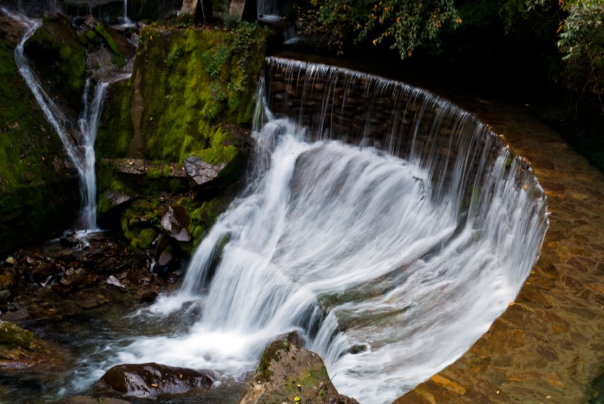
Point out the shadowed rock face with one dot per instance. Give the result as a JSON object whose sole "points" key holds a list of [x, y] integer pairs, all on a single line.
{"points": [[287, 371], [152, 380]]}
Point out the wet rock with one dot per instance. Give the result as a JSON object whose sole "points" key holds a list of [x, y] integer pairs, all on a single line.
{"points": [[287, 371], [165, 258], [200, 172], [10, 29], [70, 240], [175, 222], [149, 296], [91, 400], [112, 280], [152, 380]]}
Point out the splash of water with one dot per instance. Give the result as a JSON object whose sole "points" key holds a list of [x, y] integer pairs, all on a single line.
{"points": [[80, 153], [392, 260]]}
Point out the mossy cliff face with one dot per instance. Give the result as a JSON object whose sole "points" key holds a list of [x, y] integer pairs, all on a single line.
{"points": [[37, 197], [60, 57], [191, 94]]}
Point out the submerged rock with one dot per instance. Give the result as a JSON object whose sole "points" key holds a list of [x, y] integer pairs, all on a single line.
{"points": [[152, 380], [286, 372], [175, 222], [200, 172]]}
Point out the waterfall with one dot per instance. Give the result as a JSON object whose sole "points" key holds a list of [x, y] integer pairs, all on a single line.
{"points": [[81, 155], [127, 21], [267, 8], [392, 254], [89, 124]]}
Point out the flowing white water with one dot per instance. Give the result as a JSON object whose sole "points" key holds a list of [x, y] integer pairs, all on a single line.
{"points": [[127, 21], [89, 125], [81, 155], [360, 249]]}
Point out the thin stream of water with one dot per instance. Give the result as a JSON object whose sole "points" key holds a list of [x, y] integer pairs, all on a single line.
{"points": [[81, 151]]}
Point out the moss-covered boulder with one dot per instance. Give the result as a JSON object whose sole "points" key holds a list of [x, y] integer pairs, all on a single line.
{"points": [[60, 57], [37, 194], [21, 349], [290, 374]]}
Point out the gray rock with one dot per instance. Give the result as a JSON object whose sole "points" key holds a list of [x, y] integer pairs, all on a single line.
{"points": [[116, 198], [200, 172], [175, 222]]}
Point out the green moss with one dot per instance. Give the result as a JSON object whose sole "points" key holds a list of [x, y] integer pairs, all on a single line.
{"points": [[210, 80], [60, 57], [118, 60], [12, 337], [115, 129], [102, 31], [144, 239], [91, 36]]}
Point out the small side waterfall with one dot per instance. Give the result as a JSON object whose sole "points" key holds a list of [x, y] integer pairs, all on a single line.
{"points": [[89, 124], [392, 254], [127, 21], [81, 155]]}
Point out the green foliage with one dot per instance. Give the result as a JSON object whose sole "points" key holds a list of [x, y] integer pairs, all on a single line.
{"points": [[405, 25], [582, 45]]}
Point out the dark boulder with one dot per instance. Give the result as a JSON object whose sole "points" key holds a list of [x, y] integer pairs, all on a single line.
{"points": [[175, 222], [151, 380]]}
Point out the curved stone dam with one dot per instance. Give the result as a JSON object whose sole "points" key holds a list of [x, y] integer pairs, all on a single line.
{"points": [[385, 224]]}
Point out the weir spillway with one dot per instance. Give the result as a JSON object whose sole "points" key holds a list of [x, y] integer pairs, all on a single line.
{"points": [[384, 223]]}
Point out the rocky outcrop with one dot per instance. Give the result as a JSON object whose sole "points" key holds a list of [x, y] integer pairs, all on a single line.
{"points": [[179, 141], [150, 380], [289, 374]]}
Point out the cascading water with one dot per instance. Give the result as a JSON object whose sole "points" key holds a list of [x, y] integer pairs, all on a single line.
{"points": [[82, 155], [89, 124], [127, 21], [391, 259]]}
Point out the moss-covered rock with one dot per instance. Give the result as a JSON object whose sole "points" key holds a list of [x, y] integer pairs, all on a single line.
{"points": [[21, 349], [287, 372], [37, 197], [60, 57]]}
